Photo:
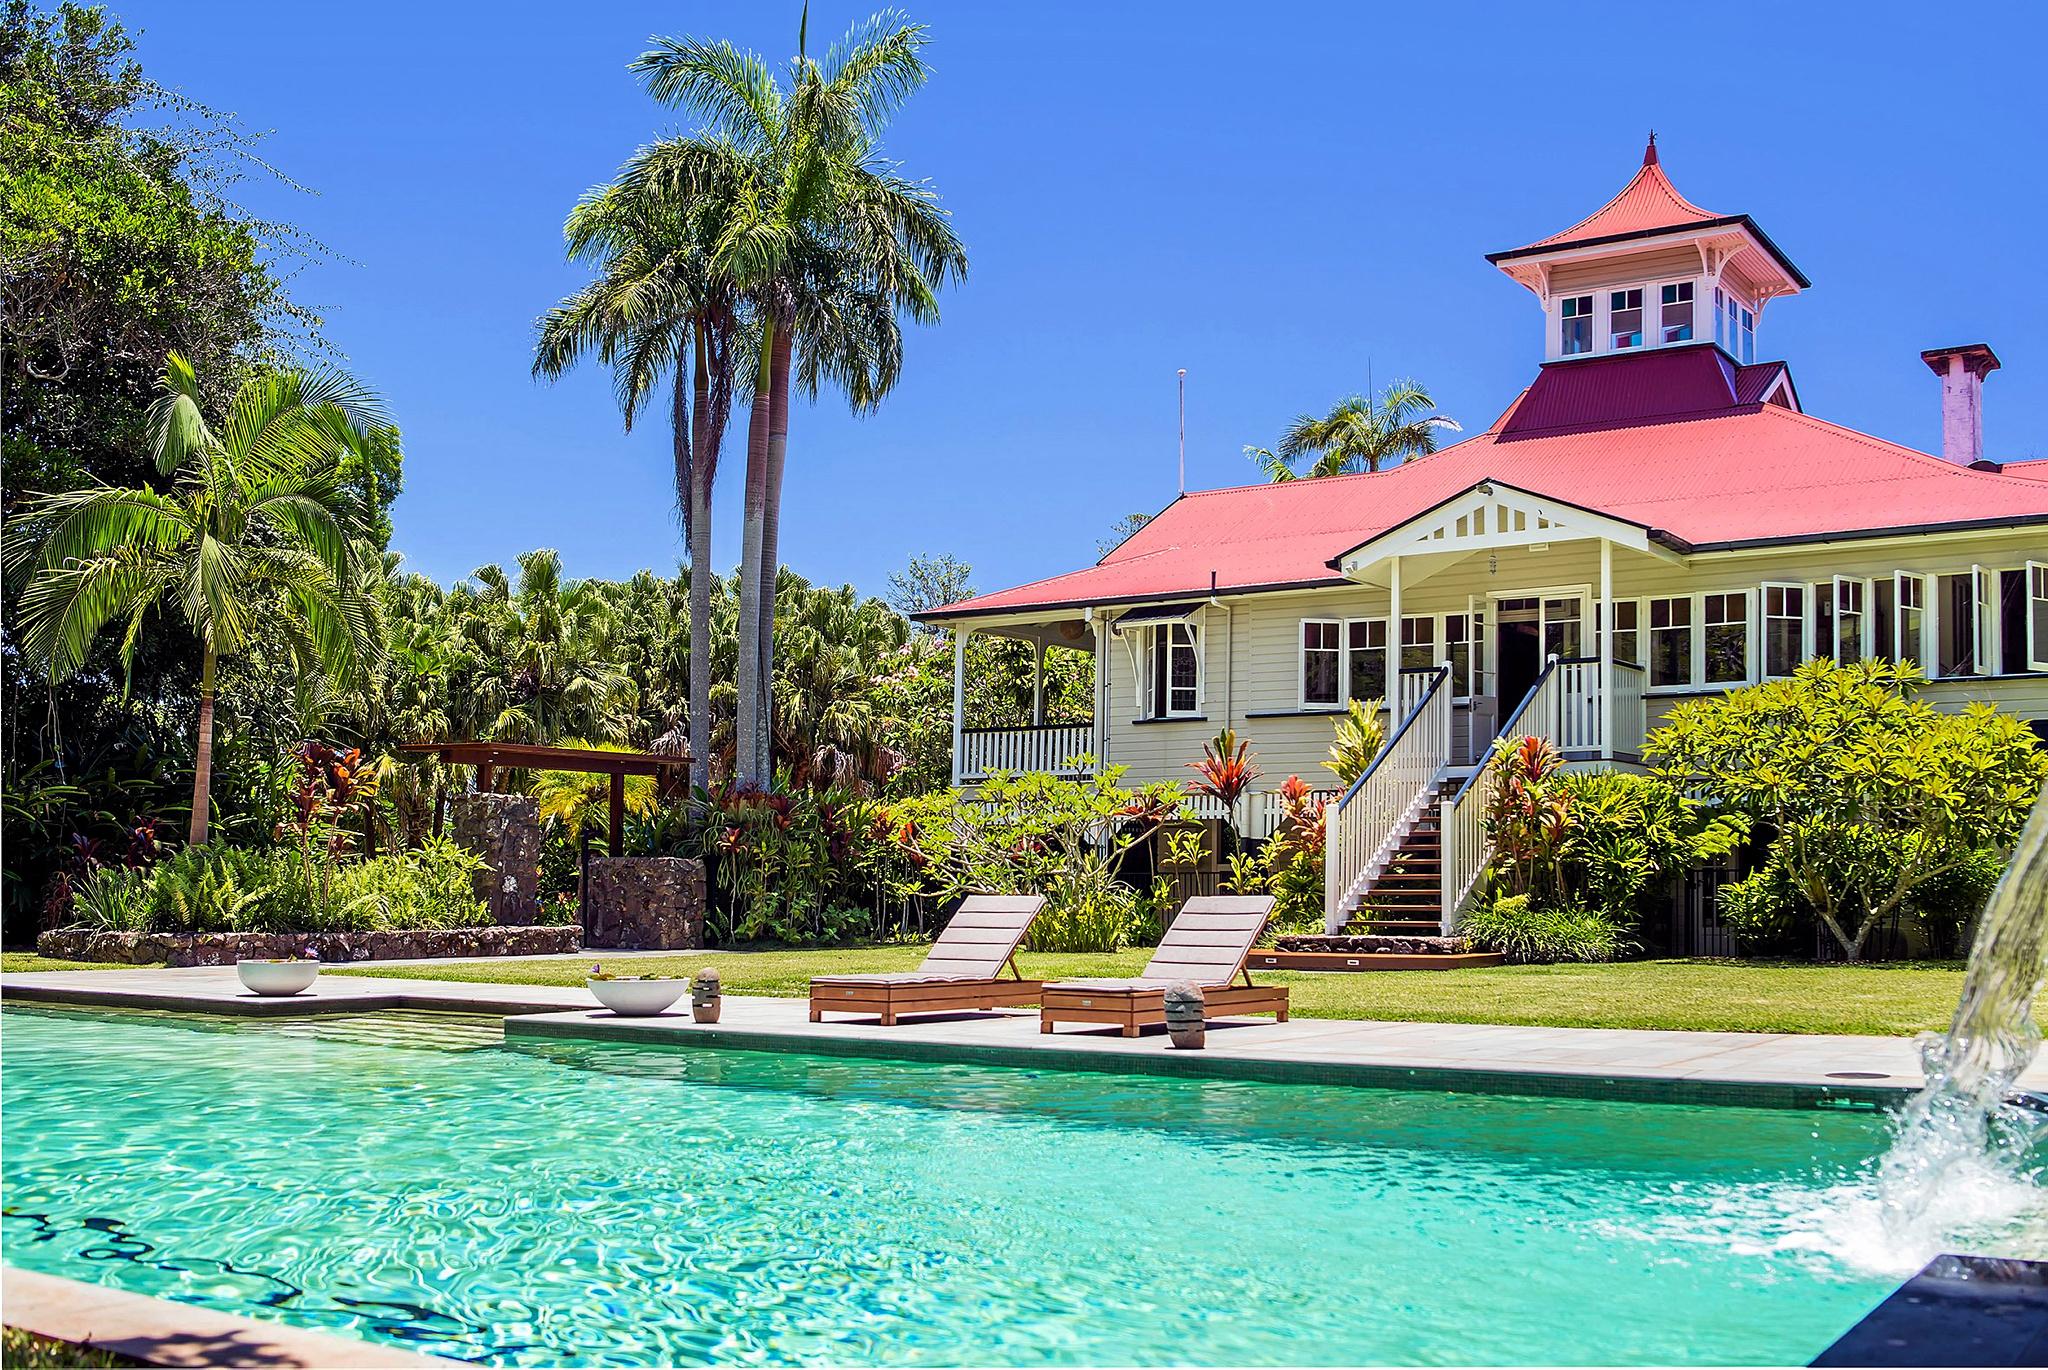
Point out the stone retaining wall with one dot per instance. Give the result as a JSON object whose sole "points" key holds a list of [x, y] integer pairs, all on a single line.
{"points": [[648, 902], [225, 948]]}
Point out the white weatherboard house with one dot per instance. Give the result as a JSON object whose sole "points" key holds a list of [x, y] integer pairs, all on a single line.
{"points": [[1655, 517]]}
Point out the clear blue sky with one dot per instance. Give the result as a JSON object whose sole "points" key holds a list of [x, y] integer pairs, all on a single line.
{"points": [[1278, 198]]}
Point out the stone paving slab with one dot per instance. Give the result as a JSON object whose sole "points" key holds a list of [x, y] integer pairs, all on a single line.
{"points": [[162, 1332], [1733, 1067]]}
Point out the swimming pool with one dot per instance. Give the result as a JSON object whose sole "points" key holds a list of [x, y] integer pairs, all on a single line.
{"points": [[550, 1202]]}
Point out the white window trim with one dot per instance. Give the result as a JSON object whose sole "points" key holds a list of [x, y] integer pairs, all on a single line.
{"points": [[1862, 645], [1390, 650], [1694, 649], [1752, 603], [1141, 646], [1919, 652], [2037, 607], [1301, 698], [1804, 619], [1656, 289], [1606, 312]]}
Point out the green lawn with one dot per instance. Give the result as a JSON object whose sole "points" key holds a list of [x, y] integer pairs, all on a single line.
{"points": [[11, 961], [1723, 996]]}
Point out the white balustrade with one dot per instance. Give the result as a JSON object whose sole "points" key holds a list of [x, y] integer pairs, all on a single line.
{"points": [[1366, 822], [1466, 846], [1051, 747], [1631, 723]]}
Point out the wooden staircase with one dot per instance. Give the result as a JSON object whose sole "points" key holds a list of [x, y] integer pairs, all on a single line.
{"points": [[1406, 898]]}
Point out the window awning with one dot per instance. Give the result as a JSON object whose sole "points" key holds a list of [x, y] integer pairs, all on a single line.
{"points": [[1151, 614]]}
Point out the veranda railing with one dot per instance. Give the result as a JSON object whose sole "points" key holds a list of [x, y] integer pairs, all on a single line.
{"points": [[1042, 747]]}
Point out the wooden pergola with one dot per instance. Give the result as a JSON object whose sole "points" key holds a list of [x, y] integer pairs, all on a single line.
{"points": [[491, 757]]}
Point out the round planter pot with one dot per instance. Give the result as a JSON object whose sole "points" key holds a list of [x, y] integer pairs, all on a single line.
{"points": [[277, 978], [638, 998]]}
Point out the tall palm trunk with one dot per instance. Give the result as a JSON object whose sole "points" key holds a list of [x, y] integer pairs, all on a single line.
{"points": [[751, 725], [771, 529], [706, 433], [202, 763]]}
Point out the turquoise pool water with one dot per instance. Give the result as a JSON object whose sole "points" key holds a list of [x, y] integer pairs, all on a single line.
{"points": [[603, 1204]]}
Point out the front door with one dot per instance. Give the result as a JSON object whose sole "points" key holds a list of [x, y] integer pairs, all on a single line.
{"points": [[1518, 644]]}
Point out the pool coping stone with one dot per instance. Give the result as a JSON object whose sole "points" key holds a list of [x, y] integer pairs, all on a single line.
{"points": [[1658, 1066], [167, 1332]]}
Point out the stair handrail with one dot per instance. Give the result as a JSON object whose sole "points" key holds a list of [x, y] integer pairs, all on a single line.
{"points": [[1466, 847], [1369, 814]]}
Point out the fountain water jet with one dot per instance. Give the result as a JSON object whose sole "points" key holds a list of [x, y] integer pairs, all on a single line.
{"points": [[1956, 1140]]}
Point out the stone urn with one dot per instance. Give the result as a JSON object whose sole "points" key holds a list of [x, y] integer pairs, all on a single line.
{"points": [[1187, 1015], [706, 997]]}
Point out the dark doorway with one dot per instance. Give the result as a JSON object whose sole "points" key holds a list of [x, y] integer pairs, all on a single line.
{"points": [[1520, 648]]}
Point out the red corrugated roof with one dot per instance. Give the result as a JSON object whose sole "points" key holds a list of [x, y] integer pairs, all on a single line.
{"points": [[1647, 203], [1742, 472]]}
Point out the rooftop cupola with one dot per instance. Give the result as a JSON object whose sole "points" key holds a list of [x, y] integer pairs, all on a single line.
{"points": [[1652, 269]]}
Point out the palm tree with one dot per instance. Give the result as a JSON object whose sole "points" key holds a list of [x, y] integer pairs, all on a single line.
{"points": [[825, 242], [255, 538], [1360, 434], [658, 305]]}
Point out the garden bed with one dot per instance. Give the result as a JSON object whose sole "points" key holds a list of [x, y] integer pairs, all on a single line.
{"points": [[226, 948]]}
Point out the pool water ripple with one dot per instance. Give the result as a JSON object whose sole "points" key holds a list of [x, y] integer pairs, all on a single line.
{"points": [[553, 1202]]}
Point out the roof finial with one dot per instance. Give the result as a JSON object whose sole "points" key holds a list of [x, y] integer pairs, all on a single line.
{"points": [[1650, 152]]}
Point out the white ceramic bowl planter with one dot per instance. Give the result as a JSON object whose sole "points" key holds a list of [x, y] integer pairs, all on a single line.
{"points": [[275, 978], [638, 998]]}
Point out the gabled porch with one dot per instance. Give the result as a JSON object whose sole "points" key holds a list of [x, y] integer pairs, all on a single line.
{"points": [[1407, 843]]}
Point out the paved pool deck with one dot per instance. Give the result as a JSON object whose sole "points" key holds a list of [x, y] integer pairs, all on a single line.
{"points": [[1768, 1069]]}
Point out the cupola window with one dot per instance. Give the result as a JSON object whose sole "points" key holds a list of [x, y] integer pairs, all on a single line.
{"points": [[1675, 302], [1748, 352], [1577, 315], [1625, 319]]}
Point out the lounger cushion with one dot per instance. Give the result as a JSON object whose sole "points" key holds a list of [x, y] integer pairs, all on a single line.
{"points": [[903, 977]]}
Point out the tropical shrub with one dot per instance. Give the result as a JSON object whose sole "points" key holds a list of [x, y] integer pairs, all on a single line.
{"points": [[1867, 794], [1531, 934], [235, 889], [1226, 771], [1599, 840], [1039, 833], [1360, 735]]}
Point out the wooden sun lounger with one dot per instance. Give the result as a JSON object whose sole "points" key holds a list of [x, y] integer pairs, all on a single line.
{"points": [[962, 971], [1206, 946]]}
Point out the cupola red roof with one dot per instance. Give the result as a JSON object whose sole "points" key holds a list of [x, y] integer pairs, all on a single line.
{"points": [[1647, 203], [1650, 206]]}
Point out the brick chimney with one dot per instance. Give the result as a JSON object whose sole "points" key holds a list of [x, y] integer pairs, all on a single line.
{"points": [[1962, 371]]}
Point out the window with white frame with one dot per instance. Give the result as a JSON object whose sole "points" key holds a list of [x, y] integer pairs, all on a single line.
{"points": [[1957, 614], [1824, 618], [1322, 663], [1883, 639], [1674, 317], [1909, 641], [1724, 623], [1365, 652], [1624, 319], [1575, 325], [1628, 643], [1671, 641], [1173, 671], [1723, 334], [1849, 602], [1748, 352], [1418, 643], [1464, 648], [1784, 628], [1562, 627], [2037, 616]]}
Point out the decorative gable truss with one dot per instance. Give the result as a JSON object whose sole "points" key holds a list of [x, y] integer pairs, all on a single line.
{"points": [[1487, 516]]}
